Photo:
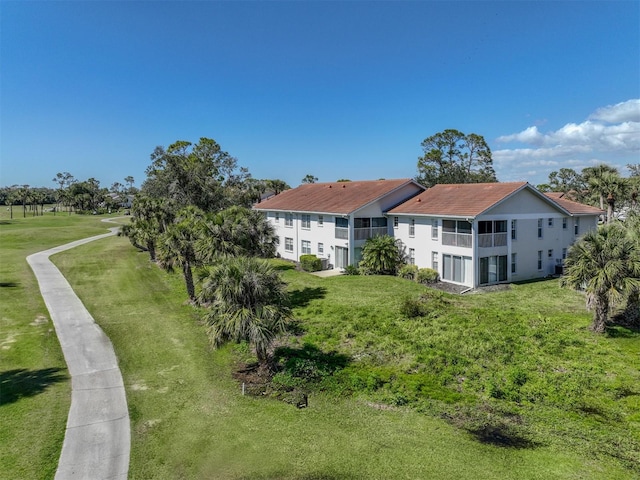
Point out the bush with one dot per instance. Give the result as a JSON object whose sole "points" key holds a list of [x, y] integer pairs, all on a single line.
{"points": [[413, 308], [427, 276], [409, 272], [310, 263], [351, 270]]}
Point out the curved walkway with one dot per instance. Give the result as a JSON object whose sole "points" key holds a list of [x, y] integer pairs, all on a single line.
{"points": [[97, 439]]}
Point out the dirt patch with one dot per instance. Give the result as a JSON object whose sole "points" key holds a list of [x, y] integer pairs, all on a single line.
{"points": [[40, 320]]}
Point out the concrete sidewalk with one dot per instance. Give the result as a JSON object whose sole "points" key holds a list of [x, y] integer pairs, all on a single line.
{"points": [[97, 439]]}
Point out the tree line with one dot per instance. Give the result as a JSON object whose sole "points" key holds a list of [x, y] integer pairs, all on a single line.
{"points": [[193, 215], [71, 194]]}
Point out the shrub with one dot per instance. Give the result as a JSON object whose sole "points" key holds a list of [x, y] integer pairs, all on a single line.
{"points": [[351, 270], [382, 255], [413, 308], [310, 263], [427, 276], [409, 272]]}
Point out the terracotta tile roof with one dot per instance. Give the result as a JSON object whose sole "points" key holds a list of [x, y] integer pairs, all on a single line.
{"points": [[332, 197], [574, 208], [459, 199]]}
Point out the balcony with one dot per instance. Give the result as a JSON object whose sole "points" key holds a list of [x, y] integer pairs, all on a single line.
{"points": [[457, 239], [486, 240], [342, 233], [367, 232]]}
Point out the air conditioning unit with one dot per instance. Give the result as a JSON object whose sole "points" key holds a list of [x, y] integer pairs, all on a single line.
{"points": [[325, 263]]}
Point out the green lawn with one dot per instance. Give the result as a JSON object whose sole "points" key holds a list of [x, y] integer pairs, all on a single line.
{"points": [[544, 397], [34, 383]]}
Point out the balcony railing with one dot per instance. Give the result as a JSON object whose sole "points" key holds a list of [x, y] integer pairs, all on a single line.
{"points": [[457, 239], [342, 233], [492, 240], [368, 232]]}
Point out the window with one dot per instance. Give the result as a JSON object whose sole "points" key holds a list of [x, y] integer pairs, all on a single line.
{"points": [[539, 228], [514, 257], [550, 253], [305, 247], [493, 269], [342, 222], [576, 227], [564, 253], [320, 220], [539, 259], [492, 233], [514, 224], [288, 219], [412, 228], [550, 222], [306, 221], [277, 217], [288, 244], [412, 256], [456, 233], [395, 222], [564, 223], [320, 248], [434, 229], [434, 260], [456, 268]]}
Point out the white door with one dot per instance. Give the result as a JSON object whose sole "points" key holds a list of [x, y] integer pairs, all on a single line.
{"points": [[342, 257]]}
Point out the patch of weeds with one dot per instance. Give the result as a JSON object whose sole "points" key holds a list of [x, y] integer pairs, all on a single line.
{"points": [[412, 308]]}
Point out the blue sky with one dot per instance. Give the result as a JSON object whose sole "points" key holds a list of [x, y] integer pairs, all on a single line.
{"points": [[332, 89]]}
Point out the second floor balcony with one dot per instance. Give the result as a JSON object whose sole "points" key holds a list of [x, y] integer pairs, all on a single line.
{"points": [[457, 239], [368, 232], [486, 240]]}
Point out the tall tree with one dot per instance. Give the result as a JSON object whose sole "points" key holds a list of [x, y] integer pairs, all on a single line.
{"points": [[176, 246], [150, 218], [277, 186], [129, 180], [63, 179], [195, 175], [309, 179], [606, 264], [247, 301], [453, 157], [567, 181], [610, 187], [593, 179]]}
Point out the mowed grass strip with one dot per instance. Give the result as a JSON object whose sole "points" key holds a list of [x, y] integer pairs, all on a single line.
{"points": [[189, 419], [35, 391]]}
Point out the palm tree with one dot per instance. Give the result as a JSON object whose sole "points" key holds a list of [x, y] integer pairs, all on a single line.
{"points": [[151, 218], [247, 301], [632, 310], [606, 264], [382, 255], [236, 231], [593, 177], [176, 248]]}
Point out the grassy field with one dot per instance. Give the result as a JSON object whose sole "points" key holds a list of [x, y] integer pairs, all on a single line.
{"points": [[501, 385], [34, 384]]}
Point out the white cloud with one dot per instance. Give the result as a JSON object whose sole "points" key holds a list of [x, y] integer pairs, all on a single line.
{"points": [[612, 131], [628, 111]]}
